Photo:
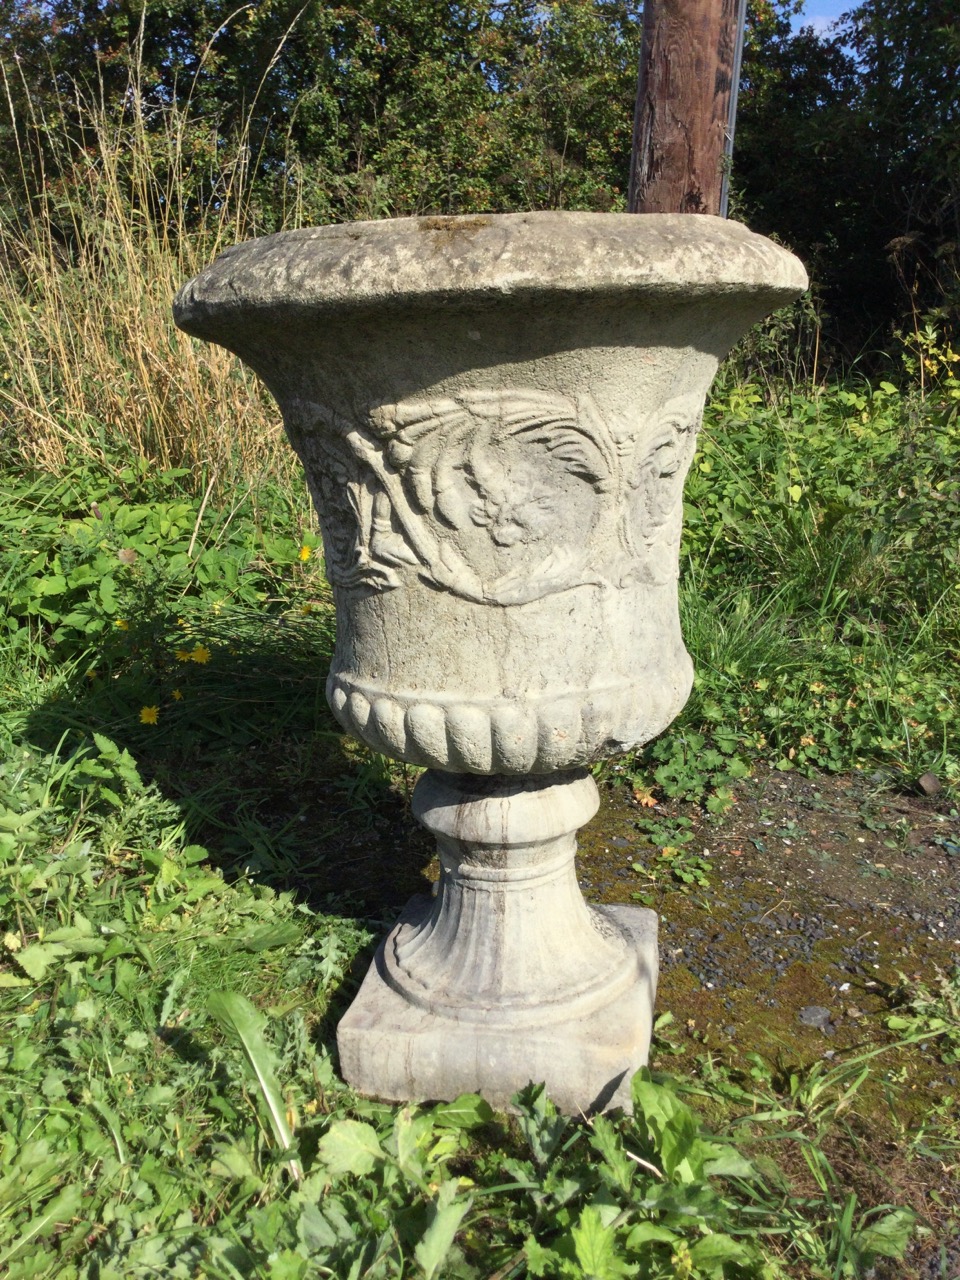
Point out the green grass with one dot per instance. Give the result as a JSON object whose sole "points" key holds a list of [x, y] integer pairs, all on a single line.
{"points": [[185, 905], [821, 593]]}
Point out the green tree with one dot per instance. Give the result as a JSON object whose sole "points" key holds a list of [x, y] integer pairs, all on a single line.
{"points": [[376, 108], [848, 148], [908, 55]]}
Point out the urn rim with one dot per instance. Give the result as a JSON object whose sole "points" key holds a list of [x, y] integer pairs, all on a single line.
{"points": [[444, 262]]}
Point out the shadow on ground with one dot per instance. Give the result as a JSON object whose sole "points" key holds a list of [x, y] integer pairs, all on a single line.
{"points": [[230, 722]]}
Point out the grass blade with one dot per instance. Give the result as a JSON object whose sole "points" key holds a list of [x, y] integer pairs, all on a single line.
{"points": [[244, 1023]]}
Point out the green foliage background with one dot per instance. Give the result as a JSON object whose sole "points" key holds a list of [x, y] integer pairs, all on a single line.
{"points": [[847, 142]]}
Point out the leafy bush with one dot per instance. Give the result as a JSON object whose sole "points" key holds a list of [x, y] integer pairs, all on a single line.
{"points": [[819, 599]]}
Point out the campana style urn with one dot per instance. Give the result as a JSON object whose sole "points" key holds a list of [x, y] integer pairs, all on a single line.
{"points": [[495, 416]]}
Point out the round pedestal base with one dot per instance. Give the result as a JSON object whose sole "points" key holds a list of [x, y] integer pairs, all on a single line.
{"points": [[506, 976]]}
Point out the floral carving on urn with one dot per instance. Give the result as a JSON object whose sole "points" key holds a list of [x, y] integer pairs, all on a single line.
{"points": [[496, 416], [500, 498]]}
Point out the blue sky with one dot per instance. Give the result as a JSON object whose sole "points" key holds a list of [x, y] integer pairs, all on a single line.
{"points": [[819, 14]]}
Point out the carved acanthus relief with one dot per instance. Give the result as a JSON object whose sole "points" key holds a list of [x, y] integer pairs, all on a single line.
{"points": [[501, 497], [654, 491]]}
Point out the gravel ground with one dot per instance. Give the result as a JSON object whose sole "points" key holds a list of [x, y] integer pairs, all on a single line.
{"points": [[822, 894]]}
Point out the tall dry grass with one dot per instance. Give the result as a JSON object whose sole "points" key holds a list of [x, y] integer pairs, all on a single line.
{"points": [[100, 223]]}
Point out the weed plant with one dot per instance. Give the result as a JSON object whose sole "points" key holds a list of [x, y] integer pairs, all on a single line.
{"points": [[821, 592], [91, 254], [168, 1104]]}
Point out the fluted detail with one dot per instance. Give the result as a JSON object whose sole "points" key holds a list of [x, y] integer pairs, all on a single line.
{"points": [[509, 938]]}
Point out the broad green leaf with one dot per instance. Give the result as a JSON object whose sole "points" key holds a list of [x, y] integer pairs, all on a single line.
{"points": [[409, 1131], [202, 885], [82, 575], [54, 1084], [10, 821], [711, 1252], [671, 1127], [596, 1248], [444, 1218], [314, 1231], [607, 1141], [721, 1160], [169, 872], [24, 1055], [266, 938], [888, 1237], [541, 1261], [158, 1095], [40, 1262], [232, 1161], [350, 1147], [542, 1127], [71, 933], [171, 998], [108, 594], [466, 1112], [36, 959], [240, 1020], [56, 1213], [645, 1233], [288, 1265]]}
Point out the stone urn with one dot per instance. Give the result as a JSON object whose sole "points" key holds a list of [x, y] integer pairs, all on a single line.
{"points": [[495, 416]]}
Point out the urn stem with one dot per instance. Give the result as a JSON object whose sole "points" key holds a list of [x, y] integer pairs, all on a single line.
{"points": [[509, 936]]}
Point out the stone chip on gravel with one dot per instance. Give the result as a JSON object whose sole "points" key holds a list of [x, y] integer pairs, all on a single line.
{"points": [[815, 1015]]}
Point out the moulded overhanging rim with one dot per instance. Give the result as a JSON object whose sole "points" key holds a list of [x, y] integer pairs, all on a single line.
{"points": [[476, 259]]}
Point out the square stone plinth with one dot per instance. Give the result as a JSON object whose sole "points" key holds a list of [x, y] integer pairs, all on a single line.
{"points": [[395, 1050]]}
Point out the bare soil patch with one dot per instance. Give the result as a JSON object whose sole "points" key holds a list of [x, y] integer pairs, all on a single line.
{"points": [[824, 894]]}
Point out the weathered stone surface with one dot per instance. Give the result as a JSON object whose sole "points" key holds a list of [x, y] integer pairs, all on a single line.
{"points": [[397, 1051], [496, 416], [506, 976]]}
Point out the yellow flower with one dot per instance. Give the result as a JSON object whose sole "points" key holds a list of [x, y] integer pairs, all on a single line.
{"points": [[200, 654], [124, 626], [149, 715], [305, 553], [177, 695], [182, 655]]}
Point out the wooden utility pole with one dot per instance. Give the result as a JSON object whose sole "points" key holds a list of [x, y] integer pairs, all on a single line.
{"points": [[683, 115]]}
